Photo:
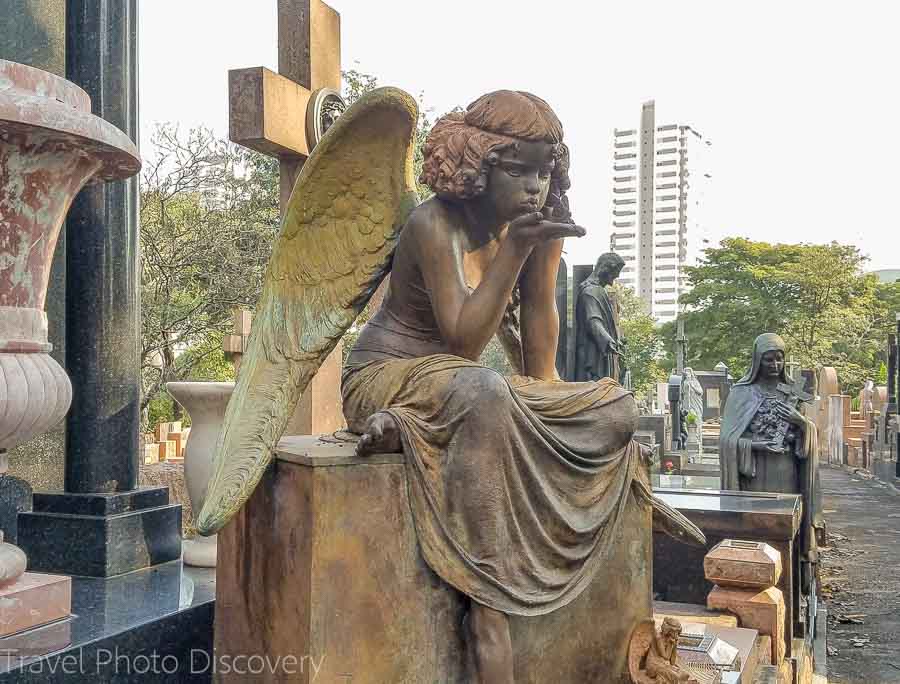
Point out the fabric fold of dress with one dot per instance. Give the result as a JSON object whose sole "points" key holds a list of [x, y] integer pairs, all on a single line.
{"points": [[517, 486]]}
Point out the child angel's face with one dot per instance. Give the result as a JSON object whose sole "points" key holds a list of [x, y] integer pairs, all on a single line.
{"points": [[519, 181]]}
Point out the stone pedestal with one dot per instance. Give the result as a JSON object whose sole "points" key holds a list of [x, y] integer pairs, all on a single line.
{"points": [[743, 564], [762, 610], [101, 535], [323, 562], [745, 573]]}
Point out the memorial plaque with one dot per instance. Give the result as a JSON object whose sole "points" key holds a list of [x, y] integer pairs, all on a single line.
{"points": [[707, 655]]}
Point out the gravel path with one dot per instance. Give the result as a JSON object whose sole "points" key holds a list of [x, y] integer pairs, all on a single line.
{"points": [[861, 578]]}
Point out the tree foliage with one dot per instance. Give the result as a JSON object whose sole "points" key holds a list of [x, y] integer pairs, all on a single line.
{"points": [[209, 214], [815, 296], [643, 351]]}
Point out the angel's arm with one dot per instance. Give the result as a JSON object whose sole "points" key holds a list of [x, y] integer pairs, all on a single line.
{"points": [[467, 320], [540, 319]]}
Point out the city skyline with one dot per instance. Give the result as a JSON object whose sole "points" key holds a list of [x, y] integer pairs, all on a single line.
{"points": [[773, 95]]}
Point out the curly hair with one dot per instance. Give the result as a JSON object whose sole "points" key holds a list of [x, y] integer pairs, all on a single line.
{"points": [[462, 146]]}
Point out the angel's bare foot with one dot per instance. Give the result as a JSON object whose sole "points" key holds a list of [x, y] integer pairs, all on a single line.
{"points": [[382, 436]]}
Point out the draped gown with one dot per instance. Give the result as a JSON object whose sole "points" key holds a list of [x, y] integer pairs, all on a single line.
{"points": [[517, 485]]}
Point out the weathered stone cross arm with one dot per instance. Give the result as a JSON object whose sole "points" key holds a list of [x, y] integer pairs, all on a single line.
{"points": [[268, 112]]}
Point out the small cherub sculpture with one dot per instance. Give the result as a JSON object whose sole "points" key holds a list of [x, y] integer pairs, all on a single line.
{"points": [[653, 656]]}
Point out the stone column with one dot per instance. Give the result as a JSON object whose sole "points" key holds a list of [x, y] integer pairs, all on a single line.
{"points": [[894, 389], [102, 283], [892, 374]]}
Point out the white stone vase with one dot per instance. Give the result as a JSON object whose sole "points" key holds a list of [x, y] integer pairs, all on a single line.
{"points": [[205, 403]]}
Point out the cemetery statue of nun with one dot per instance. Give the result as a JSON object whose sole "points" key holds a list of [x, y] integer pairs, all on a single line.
{"points": [[767, 444]]}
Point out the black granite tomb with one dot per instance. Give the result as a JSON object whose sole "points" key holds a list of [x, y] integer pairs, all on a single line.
{"points": [[15, 498], [152, 625]]}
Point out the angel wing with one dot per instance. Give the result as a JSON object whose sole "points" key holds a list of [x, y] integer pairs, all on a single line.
{"points": [[337, 238], [641, 640]]}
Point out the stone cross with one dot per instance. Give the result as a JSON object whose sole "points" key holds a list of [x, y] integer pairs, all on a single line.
{"points": [[235, 345], [793, 395], [267, 113], [792, 366], [796, 392]]}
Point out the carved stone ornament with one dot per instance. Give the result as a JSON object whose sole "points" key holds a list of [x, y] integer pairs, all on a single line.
{"points": [[50, 147], [325, 106]]}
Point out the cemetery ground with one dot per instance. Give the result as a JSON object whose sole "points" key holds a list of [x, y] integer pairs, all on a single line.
{"points": [[860, 582]]}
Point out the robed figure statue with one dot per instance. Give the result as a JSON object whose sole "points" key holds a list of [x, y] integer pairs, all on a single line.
{"points": [[767, 444], [598, 341]]}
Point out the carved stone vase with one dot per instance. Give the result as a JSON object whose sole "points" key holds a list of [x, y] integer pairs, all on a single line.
{"points": [[205, 403], [50, 147]]}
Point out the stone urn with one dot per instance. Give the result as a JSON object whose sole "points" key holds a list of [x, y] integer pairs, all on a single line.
{"points": [[50, 147], [205, 403]]}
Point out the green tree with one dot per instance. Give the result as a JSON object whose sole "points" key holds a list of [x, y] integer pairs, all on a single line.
{"points": [[643, 351], [816, 296], [208, 217]]}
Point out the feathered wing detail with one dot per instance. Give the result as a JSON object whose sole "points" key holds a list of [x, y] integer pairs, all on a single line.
{"points": [[337, 238], [641, 642]]}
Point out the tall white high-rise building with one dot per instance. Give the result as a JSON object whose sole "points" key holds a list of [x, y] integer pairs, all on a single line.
{"points": [[660, 178]]}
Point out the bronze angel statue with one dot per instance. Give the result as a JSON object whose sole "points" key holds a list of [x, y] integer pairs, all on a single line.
{"points": [[517, 484]]}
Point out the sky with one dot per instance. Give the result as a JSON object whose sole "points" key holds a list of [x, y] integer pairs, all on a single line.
{"points": [[798, 98]]}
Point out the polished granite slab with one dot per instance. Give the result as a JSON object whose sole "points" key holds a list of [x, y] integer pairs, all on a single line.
{"points": [[100, 534], [761, 514], [153, 624]]}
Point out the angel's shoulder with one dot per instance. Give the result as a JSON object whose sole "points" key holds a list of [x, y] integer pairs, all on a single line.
{"points": [[432, 223]]}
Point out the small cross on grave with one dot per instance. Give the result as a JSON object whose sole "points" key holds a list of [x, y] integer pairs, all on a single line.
{"points": [[282, 115], [235, 345], [680, 346]]}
